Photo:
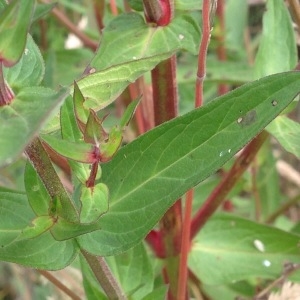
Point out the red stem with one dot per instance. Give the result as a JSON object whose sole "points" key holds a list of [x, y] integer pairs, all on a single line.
{"points": [[183, 271], [165, 108], [99, 10], [221, 50], [185, 242], [113, 7], [201, 73], [227, 183]]}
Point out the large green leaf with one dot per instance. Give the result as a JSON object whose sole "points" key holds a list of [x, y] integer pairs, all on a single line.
{"points": [[128, 49], [14, 24], [287, 132], [20, 244], [147, 176], [230, 249], [273, 55], [20, 120]]}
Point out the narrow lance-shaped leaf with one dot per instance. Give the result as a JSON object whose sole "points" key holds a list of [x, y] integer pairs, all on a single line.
{"points": [[147, 176], [78, 151]]}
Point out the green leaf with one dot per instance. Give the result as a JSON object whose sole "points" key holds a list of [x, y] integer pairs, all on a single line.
{"points": [[109, 148], [129, 112], [79, 151], [274, 56], [29, 71], [37, 194], [287, 132], [41, 252], [71, 132], [22, 119], [136, 264], [41, 10], [14, 24], [64, 230], [230, 249], [103, 87], [38, 226], [94, 203], [117, 62], [15, 214], [128, 38], [147, 176]]}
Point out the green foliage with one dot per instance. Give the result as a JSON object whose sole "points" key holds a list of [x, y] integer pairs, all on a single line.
{"points": [[110, 189]]}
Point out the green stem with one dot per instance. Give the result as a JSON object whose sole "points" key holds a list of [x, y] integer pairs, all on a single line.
{"points": [[104, 276], [62, 204]]}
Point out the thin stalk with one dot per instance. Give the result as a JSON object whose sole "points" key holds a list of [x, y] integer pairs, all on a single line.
{"points": [[99, 9], [221, 50], [183, 268], [113, 7], [104, 276], [62, 204], [64, 20], [289, 270], [206, 28], [227, 183], [295, 11], [270, 219], [59, 284], [165, 101], [255, 192], [185, 248]]}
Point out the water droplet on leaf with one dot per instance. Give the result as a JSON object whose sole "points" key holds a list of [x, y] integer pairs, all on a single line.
{"points": [[259, 245], [267, 263], [181, 37]]}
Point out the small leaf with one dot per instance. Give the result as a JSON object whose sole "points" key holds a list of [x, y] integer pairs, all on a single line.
{"points": [[109, 148], [94, 203], [24, 117], [94, 132], [14, 24], [38, 226], [78, 151], [81, 112], [101, 88], [64, 230], [246, 250], [148, 175], [129, 112], [287, 132]]}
